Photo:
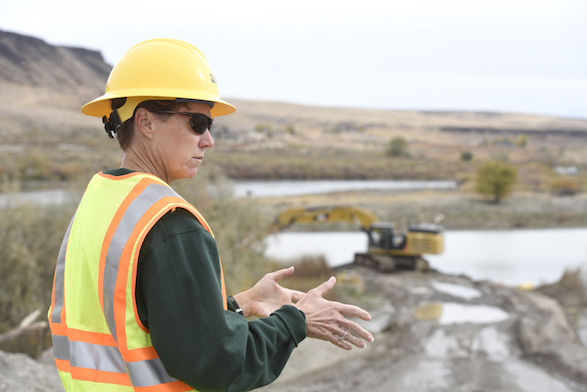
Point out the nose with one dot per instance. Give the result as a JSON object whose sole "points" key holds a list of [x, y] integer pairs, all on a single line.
{"points": [[206, 141]]}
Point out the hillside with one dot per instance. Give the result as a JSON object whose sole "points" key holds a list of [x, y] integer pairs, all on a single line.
{"points": [[288, 140], [33, 62], [432, 330]]}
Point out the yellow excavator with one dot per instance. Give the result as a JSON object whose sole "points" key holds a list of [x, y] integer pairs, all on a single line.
{"points": [[389, 248]]}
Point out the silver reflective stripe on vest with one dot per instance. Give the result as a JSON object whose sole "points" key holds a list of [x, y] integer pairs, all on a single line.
{"points": [[138, 207], [88, 355], [60, 347], [59, 277], [148, 372], [108, 359]]}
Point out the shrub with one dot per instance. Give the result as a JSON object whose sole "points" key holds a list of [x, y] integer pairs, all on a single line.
{"points": [[35, 166], [565, 186], [466, 156], [29, 243], [495, 179], [310, 272], [521, 141], [313, 267], [265, 129], [398, 147]]}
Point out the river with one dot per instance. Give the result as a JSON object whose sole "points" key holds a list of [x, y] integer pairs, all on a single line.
{"points": [[306, 187], [510, 257], [39, 197], [253, 189]]}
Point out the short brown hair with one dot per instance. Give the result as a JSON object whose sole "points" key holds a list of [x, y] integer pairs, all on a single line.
{"points": [[125, 132]]}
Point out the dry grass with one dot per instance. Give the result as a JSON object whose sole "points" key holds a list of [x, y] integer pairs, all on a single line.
{"points": [[309, 273], [300, 142], [29, 242]]}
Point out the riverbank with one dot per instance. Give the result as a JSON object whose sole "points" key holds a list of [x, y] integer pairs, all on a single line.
{"points": [[454, 209]]}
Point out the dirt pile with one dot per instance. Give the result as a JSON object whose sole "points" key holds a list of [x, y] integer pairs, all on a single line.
{"points": [[448, 333]]}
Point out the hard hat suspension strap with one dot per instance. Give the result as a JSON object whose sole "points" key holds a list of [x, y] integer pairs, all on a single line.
{"points": [[113, 122]]}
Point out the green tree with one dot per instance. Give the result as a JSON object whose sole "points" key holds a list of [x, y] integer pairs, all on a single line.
{"points": [[466, 156], [265, 129], [398, 147], [495, 179], [521, 141]]}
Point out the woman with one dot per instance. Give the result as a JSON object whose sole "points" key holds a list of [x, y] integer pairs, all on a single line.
{"points": [[139, 301]]}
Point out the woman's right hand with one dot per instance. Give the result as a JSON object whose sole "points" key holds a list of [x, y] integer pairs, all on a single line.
{"points": [[327, 320]]}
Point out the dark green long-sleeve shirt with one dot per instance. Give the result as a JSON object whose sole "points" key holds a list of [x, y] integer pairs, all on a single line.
{"points": [[179, 299]]}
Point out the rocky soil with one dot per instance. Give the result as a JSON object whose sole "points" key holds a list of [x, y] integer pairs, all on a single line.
{"points": [[19, 372], [439, 332], [433, 332]]}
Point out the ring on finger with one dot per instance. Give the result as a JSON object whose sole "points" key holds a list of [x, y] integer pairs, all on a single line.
{"points": [[341, 338]]}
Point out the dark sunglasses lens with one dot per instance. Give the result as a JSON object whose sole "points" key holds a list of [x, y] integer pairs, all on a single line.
{"points": [[200, 123]]}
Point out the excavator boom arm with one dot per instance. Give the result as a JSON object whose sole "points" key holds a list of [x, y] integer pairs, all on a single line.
{"points": [[362, 218]]}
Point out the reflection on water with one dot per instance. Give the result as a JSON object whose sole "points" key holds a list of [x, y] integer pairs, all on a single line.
{"points": [[295, 188], [510, 257], [44, 197], [252, 189]]}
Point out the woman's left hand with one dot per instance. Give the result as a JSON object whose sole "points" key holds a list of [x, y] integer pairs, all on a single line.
{"points": [[266, 296]]}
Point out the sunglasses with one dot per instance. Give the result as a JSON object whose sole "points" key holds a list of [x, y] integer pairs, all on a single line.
{"points": [[198, 121]]}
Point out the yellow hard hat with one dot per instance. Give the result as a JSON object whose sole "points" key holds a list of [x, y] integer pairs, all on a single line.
{"points": [[161, 69]]}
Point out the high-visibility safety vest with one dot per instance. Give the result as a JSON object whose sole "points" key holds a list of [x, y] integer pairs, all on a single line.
{"points": [[99, 341]]}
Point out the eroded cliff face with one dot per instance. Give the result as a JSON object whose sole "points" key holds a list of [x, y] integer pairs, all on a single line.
{"points": [[31, 61]]}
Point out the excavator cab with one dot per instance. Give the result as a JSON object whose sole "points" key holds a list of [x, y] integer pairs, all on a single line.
{"points": [[385, 235]]}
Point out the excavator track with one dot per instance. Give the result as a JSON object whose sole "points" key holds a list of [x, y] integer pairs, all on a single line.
{"points": [[385, 263]]}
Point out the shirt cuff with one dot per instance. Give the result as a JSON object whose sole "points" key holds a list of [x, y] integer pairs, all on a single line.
{"points": [[294, 320]]}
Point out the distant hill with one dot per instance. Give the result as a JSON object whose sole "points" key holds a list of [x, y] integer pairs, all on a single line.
{"points": [[43, 87], [30, 61], [34, 71]]}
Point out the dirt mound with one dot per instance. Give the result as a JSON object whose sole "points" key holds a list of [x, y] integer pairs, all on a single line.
{"points": [[436, 332]]}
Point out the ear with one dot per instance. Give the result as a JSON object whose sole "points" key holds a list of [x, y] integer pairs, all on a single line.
{"points": [[143, 122]]}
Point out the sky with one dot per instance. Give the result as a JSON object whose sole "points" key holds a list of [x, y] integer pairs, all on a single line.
{"points": [[522, 56]]}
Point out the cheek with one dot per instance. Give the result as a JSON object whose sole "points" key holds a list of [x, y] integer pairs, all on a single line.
{"points": [[185, 147]]}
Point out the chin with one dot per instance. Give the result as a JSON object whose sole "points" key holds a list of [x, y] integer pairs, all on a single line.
{"points": [[185, 175], [192, 173]]}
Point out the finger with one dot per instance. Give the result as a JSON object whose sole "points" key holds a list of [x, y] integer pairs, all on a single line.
{"points": [[356, 330], [324, 287], [296, 295], [352, 339], [353, 311], [280, 274], [336, 339]]}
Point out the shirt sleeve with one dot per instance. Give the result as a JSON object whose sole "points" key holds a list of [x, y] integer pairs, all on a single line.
{"points": [[179, 300]]}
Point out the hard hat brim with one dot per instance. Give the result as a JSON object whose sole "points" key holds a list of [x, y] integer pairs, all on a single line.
{"points": [[101, 106]]}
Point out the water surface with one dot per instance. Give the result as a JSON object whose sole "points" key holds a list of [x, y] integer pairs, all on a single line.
{"points": [[510, 257]]}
